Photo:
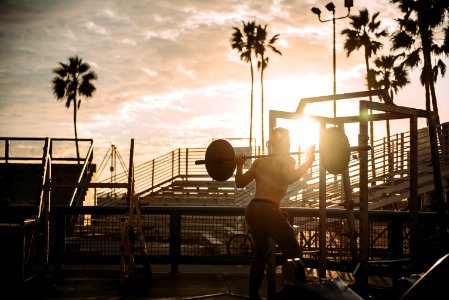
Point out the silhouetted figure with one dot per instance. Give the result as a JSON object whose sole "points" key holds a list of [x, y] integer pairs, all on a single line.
{"points": [[272, 174]]}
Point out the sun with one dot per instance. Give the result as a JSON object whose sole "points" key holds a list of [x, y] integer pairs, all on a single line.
{"points": [[304, 132]]}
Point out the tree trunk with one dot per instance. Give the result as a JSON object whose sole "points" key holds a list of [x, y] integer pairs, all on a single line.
{"points": [[427, 70], [262, 104], [76, 134], [433, 95], [252, 105]]}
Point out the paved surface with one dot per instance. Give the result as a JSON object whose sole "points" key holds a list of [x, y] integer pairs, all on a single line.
{"points": [[192, 282]]}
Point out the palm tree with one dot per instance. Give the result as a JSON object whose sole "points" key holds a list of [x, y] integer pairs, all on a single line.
{"points": [[243, 42], [418, 35], [365, 33], [71, 81], [388, 75], [261, 46], [391, 76]]}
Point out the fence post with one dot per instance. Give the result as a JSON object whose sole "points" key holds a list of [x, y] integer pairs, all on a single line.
{"points": [[6, 150], [187, 162], [414, 201], [396, 246], [175, 240], [322, 219], [59, 227], [179, 162], [152, 176], [172, 164], [362, 270]]}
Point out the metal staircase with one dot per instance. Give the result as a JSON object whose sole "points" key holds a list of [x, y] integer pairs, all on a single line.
{"points": [[174, 178]]}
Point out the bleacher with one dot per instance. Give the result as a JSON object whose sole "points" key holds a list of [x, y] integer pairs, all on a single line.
{"points": [[175, 179]]}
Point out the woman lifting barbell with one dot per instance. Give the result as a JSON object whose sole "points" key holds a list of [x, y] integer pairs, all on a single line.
{"points": [[272, 174]]}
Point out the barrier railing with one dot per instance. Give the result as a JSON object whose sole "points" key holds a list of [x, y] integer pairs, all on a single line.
{"points": [[388, 167], [30, 149], [184, 234]]}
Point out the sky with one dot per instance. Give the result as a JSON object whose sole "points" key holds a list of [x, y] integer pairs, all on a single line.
{"points": [[167, 75]]}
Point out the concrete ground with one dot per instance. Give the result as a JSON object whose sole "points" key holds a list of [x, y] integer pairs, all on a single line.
{"points": [[191, 282]]}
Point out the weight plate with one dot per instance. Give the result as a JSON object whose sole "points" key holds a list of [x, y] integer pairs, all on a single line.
{"points": [[220, 160], [334, 150]]}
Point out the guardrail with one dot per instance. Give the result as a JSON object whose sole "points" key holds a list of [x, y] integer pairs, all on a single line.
{"points": [[389, 166], [30, 149], [199, 235]]}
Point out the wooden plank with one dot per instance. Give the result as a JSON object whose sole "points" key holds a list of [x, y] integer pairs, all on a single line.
{"points": [[205, 183], [91, 185], [425, 184]]}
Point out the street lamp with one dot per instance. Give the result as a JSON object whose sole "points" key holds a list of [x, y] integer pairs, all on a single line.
{"points": [[331, 7]]}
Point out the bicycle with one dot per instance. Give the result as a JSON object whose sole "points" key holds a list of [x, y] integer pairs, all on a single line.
{"points": [[240, 244]]}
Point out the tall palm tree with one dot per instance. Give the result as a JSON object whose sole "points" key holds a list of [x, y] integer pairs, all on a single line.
{"points": [[365, 32], [390, 75], [262, 45], [419, 36], [71, 81], [243, 42]]}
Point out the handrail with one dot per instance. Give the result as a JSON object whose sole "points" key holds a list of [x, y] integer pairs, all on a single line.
{"points": [[7, 155], [46, 176], [161, 171], [83, 174], [388, 167]]}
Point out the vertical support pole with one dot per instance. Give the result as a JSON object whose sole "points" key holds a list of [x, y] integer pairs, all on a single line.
{"points": [[152, 175], [60, 227], [362, 274], [413, 200], [396, 242], [123, 250], [334, 64], [349, 206], [175, 241], [21, 258], [439, 195], [47, 195], [322, 218], [172, 164], [384, 154], [131, 176], [6, 150], [187, 162], [179, 161]]}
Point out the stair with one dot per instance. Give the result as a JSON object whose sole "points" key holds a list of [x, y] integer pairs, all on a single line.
{"points": [[175, 179]]}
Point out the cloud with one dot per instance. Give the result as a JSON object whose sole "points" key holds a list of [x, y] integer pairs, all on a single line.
{"points": [[167, 75]]}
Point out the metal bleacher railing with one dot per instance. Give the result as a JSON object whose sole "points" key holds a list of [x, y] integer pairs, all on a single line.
{"points": [[174, 177], [25, 192]]}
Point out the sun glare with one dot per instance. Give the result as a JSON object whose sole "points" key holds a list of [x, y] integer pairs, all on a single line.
{"points": [[304, 132]]}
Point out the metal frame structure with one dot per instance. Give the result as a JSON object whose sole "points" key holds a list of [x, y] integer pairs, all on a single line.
{"points": [[389, 111]]}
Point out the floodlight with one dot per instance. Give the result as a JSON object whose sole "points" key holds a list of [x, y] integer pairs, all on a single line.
{"points": [[330, 6], [316, 10], [349, 3]]}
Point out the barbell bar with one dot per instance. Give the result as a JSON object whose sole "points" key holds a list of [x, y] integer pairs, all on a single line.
{"points": [[334, 150], [203, 161]]}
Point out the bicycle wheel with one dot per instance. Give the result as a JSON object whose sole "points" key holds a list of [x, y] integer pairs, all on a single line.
{"points": [[240, 245]]}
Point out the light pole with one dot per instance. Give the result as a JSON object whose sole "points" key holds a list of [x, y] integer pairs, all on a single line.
{"points": [[331, 7]]}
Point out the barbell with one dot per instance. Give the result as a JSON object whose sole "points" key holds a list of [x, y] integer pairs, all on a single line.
{"points": [[334, 150]]}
